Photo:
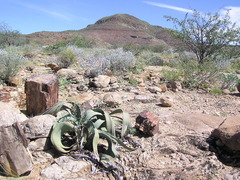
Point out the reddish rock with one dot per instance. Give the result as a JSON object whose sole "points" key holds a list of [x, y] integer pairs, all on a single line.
{"points": [[148, 123], [229, 133], [166, 101], [41, 93]]}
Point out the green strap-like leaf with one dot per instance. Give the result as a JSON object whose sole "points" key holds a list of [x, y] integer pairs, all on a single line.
{"points": [[117, 111], [98, 123], [125, 123], [55, 109], [89, 114], [95, 141], [56, 135], [114, 138], [109, 124]]}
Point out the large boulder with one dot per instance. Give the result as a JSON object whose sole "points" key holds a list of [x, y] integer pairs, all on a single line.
{"points": [[10, 114], [229, 133]]}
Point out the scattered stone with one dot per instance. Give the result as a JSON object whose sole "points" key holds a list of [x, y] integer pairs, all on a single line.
{"points": [[226, 91], [102, 81], [10, 114], [175, 86], [54, 67], [163, 87], [145, 98], [229, 133], [41, 144], [41, 93], [82, 87], [81, 97], [64, 168], [112, 99], [18, 79], [148, 123], [67, 73], [113, 79], [39, 126], [238, 71], [166, 101], [155, 89]]}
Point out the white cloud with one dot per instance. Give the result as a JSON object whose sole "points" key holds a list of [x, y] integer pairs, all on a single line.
{"points": [[234, 13], [46, 11], [168, 6]]}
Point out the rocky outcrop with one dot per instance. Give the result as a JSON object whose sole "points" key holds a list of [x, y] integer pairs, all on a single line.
{"points": [[229, 133]]}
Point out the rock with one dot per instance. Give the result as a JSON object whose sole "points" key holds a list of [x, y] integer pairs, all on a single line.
{"points": [[229, 133], [113, 79], [145, 98], [92, 103], [155, 89], [82, 87], [238, 87], [199, 122], [102, 81], [148, 123], [41, 93], [163, 87], [238, 71], [39, 126], [10, 114], [67, 73], [81, 98], [175, 86], [166, 101], [15, 159], [226, 91], [18, 79], [64, 168], [41, 144], [54, 66], [112, 99]]}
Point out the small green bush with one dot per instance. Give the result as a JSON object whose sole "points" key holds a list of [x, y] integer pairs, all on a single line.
{"points": [[155, 61], [67, 57], [10, 63], [216, 91], [171, 75], [229, 81]]}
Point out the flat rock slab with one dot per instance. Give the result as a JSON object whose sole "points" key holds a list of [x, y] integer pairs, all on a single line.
{"points": [[199, 122]]}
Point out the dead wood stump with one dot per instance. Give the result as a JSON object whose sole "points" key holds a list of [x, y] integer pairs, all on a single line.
{"points": [[15, 159], [41, 93]]}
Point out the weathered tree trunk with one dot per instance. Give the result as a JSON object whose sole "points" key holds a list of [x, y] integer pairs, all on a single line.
{"points": [[15, 159], [41, 93]]}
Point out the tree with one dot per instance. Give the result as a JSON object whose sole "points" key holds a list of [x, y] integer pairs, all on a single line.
{"points": [[8, 36], [206, 35]]}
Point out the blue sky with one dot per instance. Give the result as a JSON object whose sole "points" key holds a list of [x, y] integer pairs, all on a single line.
{"points": [[28, 16]]}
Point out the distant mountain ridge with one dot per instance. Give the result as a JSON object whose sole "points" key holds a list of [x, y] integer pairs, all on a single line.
{"points": [[119, 29]]}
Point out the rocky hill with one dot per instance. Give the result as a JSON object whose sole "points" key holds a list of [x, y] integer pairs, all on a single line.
{"points": [[119, 29]]}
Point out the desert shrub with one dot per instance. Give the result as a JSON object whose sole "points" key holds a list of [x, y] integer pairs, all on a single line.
{"points": [[229, 81], [66, 58], [155, 61], [120, 60], [78, 41], [171, 75], [216, 91], [10, 63]]}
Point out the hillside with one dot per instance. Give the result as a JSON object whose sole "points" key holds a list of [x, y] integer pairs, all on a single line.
{"points": [[119, 29]]}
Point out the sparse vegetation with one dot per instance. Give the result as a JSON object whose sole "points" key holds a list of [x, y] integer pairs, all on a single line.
{"points": [[10, 63], [206, 35]]}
